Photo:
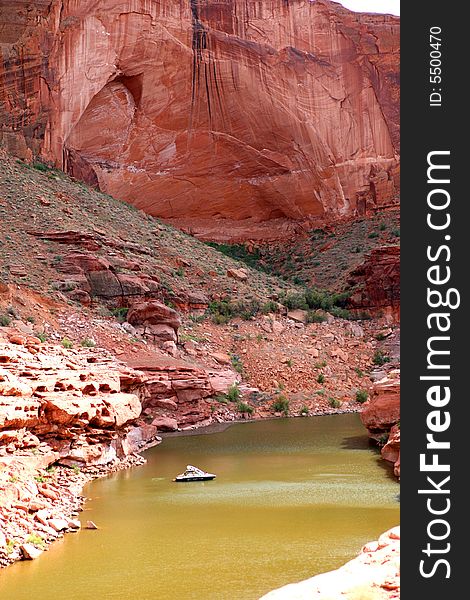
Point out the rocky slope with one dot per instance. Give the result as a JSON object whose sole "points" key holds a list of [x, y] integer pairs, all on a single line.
{"points": [[233, 120], [373, 575]]}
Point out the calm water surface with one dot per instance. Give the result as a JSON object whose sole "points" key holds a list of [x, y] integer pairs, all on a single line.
{"points": [[292, 498]]}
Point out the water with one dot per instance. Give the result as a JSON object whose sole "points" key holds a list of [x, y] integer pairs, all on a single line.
{"points": [[292, 498]]}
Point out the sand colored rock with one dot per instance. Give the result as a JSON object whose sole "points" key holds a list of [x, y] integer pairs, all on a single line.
{"points": [[373, 575], [217, 117]]}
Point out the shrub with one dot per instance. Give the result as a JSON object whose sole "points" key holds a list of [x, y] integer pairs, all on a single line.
{"points": [[380, 358], [76, 469], [197, 318], [36, 540], [314, 316], [373, 235], [222, 398], [237, 363], [87, 343], [41, 336], [4, 320], [358, 372], [281, 404], [120, 313], [242, 407], [304, 411], [383, 439], [380, 337], [361, 396], [39, 166], [66, 343], [321, 378], [334, 402], [233, 393], [269, 307], [382, 226], [341, 313]]}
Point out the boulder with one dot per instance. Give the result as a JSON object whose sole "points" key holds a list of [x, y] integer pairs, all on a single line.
{"points": [[153, 313], [165, 424], [30, 551]]}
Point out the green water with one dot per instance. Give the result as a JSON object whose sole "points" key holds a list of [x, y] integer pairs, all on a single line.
{"points": [[292, 498]]}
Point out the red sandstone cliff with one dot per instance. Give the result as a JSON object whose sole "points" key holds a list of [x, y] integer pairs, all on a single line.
{"points": [[239, 111]]}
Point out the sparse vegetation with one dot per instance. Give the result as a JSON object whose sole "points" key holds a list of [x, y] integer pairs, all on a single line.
{"points": [[244, 408], [236, 363], [380, 358], [281, 404], [233, 393], [321, 378], [36, 540], [5, 320], [358, 372], [66, 343], [120, 313], [87, 343], [361, 396], [304, 411], [314, 316], [383, 439], [334, 402]]}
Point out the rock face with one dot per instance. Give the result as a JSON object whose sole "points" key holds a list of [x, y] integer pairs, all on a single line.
{"points": [[373, 575], [378, 283], [72, 399], [381, 416], [241, 112]]}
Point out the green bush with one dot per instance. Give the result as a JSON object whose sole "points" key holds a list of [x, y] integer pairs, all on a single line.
{"points": [[380, 358], [242, 407], [270, 307], [233, 393], [4, 320], [66, 343], [120, 313], [334, 402], [304, 411], [358, 372], [321, 378], [341, 313], [281, 404], [36, 540], [314, 316], [237, 363], [87, 343], [361, 396]]}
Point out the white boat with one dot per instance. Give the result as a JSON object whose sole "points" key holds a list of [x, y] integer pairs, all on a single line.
{"points": [[194, 474]]}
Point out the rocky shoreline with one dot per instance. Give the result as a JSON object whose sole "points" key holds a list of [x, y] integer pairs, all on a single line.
{"points": [[40, 503]]}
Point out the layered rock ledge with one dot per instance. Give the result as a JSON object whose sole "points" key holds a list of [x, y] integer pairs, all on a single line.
{"points": [[373, 575]]}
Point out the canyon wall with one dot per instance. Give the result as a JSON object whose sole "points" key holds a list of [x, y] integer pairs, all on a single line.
{"points": [[237, 111]]}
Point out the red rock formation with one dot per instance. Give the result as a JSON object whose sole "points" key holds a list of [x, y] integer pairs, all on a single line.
{"points": [[244, 112], [381, 416], [377, 283], [383, 410]]}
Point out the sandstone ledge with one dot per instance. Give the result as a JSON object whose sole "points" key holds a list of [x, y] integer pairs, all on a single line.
{"points": [[373, 575]]}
